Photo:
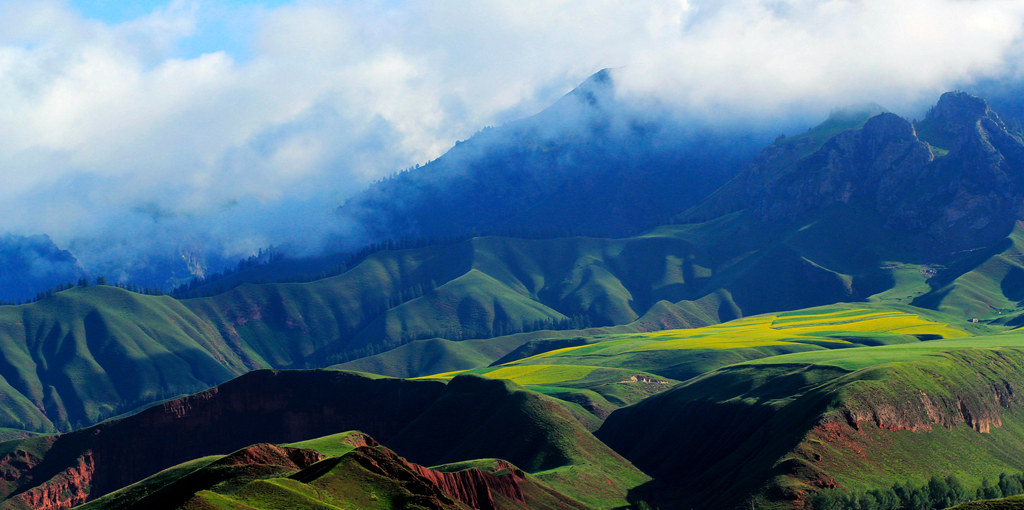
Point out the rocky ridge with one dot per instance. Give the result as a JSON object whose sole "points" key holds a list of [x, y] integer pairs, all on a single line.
{"points": [[953, 181]]}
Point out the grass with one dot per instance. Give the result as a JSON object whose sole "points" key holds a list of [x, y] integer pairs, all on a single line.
{"points": [[612, 371], [91, 353], [527, 375], [856, 359], [684, 353], [434, 355], [862, 417], [87, 354], [129, 496], [334, 445], [540, 374], [1011, 503]]}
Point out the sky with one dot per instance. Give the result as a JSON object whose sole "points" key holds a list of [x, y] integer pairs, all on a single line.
{"points": [[128, 127]]}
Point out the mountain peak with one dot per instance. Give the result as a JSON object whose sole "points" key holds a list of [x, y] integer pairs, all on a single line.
{"points": [[889, 126], [958, 106], [951, 182]]}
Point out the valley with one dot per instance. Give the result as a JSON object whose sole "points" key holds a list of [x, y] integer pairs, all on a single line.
{"points": [[839, 318]]}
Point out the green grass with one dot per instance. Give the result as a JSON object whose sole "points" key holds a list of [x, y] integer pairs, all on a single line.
{"points": [[434, 355], [91, 353], [1011, 503], [681, 354], [856, 359], [528, 374], [439, 424], [128, 496], [862, 417], [610, 371], [334, 445]]}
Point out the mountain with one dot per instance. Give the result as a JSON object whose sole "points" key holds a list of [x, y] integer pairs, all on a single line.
{"points": [[779, 429], [593, 163], [950, 183], [916, 221], [431, 423], [33, 264], [427, 422], [89, 353], [836, 222]]}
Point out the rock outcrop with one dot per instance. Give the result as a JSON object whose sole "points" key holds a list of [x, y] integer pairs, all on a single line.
{"points": [[473, 487], [69, 488]]}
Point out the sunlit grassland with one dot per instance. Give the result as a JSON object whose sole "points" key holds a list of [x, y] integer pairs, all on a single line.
{"points": [[683, 353], [526, 375], [856, 359]]}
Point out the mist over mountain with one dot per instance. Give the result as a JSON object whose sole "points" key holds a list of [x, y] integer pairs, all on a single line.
{"points": [[590, 164], [850, 295], [31, 264], [710, 254], [212, 130]]}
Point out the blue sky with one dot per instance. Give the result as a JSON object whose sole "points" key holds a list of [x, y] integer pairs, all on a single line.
{"points": [[222, 25], [115, 11]]}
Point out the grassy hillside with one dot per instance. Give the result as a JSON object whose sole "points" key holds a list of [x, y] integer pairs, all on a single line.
{"points": [[428, 422], [1011, 503], [345, 470], [603, 372], [988, 284], [90, 353], [685, 353], [863, 418], [94, 352]]}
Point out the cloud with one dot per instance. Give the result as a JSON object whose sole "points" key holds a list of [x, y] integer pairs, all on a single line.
{"points": [[738, 58], [127, 139]]}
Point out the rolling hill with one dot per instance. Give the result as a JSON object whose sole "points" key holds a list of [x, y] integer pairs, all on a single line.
{"points": [[77, 357], [776, 430], [347, 470], [914, 222], [810, 384], [427, 422]]}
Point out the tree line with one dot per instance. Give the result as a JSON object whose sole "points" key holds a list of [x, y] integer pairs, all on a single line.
{"points": [[937, 493], [83, 282]]}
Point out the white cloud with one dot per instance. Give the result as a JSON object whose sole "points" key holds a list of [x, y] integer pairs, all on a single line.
{"points": [[97, 119], [741, 57]]}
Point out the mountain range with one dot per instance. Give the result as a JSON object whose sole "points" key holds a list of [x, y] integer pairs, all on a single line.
{"points": [[593, 163], [829, 323]]}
